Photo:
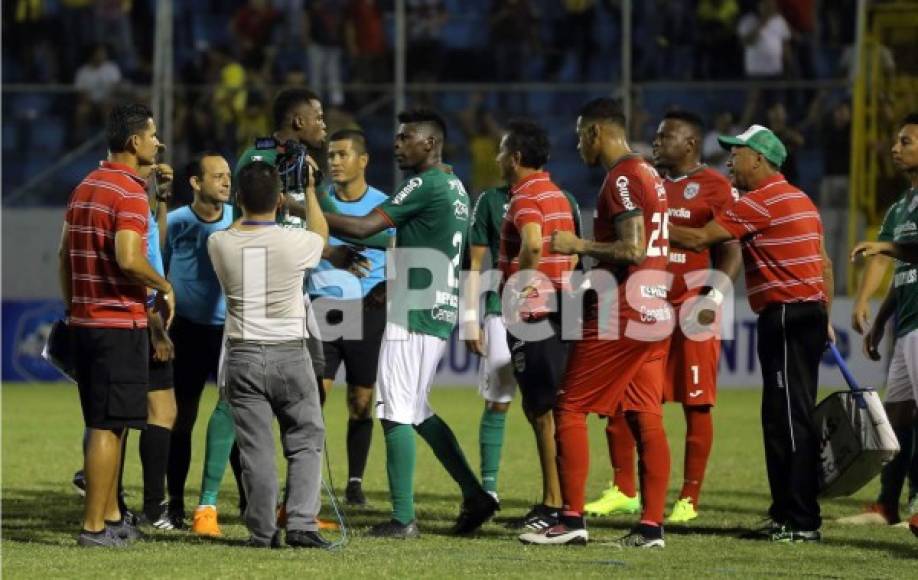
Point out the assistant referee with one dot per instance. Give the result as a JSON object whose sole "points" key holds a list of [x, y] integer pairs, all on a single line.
{"points": [[789, 284]]}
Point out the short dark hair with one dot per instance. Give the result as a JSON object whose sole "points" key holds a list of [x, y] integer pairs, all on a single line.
{"points": [[689, 118], [356, 136], [425, 116], [530, 140], [289, 99], [195, 167], [604, 109], [910, 119], [259, 187], [125, 121]]}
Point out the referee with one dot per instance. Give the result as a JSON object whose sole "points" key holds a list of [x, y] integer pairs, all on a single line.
{"points": [[789, 284], [334, 291]]}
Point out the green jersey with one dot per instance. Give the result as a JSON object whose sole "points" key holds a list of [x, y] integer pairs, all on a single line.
{"points": [[487, 217], [430, 210], [901, 226], [269, 156]]}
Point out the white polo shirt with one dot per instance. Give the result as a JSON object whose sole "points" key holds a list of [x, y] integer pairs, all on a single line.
{"points": [[261, 271], [764, 56]]}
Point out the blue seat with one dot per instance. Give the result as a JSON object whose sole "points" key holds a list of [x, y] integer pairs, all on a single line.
{"points": [[30, 105], [10, 138], [48, 135]]}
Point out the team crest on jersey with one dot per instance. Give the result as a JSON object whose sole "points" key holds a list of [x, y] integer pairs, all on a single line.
{"points": [[691, 190]]}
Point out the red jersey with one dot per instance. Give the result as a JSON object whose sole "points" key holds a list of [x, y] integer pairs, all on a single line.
{"points": [[633, 187], [110, 199], [536, 199], [781, 234], [694, 200]]}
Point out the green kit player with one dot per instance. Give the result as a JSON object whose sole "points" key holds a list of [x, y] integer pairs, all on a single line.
{"points": [[431, 212], [899, 231]]}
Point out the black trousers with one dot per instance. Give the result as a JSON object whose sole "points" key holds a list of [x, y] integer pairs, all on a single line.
{"points": [[791, 340]]}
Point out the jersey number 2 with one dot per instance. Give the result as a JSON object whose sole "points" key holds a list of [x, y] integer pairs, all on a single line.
{"points": [[451, 278]]}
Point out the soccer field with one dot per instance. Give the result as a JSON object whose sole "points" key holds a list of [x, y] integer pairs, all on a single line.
{"points": [[41, 511]]}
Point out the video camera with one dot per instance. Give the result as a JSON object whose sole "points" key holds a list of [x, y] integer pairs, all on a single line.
{"points": [[294, 169]]}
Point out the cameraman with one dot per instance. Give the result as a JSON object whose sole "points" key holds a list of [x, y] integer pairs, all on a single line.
{"points": [[267, 363]]}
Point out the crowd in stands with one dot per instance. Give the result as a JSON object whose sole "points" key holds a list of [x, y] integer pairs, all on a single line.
{"points": [[231, 56]]}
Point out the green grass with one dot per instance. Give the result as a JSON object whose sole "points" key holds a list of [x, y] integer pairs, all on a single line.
{"points": [[41, 514]]}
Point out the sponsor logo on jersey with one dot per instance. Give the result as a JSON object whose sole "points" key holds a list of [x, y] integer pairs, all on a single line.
{"points": [[413, 183], [461, 209], [905, 229], [457, 186], [695, 394], [906, 277], [676, 258], [691, 190], [654, 292], [624, 193], [679, 212]]}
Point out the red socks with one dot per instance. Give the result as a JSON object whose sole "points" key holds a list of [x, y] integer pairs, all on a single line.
{"points": [[573, 458], [699, 437], [621, 454], [653, 460]]}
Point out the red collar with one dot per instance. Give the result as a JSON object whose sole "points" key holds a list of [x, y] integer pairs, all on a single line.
{"points": [[125, 169], [526, 181], [776, 178]]}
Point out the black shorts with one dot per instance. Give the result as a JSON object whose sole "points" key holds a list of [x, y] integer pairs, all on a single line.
{"points": [[360, 357], [539, 369], [197, 356], [112, 368]]}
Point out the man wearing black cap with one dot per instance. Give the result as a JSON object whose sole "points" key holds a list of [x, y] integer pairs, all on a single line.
{"points": [[789, 284]]}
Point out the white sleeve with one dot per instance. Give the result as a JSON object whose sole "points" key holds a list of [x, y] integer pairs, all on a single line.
{"points": [[213, 251], [309, 248]]}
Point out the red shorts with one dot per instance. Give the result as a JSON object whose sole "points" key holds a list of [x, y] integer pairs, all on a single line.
{"points": [[606, 375], [691, 371]]}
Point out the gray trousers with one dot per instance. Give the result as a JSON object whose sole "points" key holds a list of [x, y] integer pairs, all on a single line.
{"points": [[264, 381]]}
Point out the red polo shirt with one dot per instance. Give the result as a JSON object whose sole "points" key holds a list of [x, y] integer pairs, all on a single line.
{"points": [[536, 199], [781, 235], [110, 199]]}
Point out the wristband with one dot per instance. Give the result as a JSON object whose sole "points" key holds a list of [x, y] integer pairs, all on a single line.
{"points": [[716, 295]]}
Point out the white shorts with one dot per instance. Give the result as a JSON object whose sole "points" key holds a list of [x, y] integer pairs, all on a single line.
{"points": [[496, 382], [405, 373], [902, 380]]}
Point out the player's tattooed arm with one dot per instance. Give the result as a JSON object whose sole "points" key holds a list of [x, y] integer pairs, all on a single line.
{"points": [[698, 239], [630, 248]]}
